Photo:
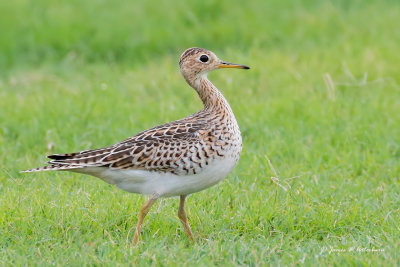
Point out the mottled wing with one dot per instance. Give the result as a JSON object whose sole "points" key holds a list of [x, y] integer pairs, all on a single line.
{"points": [[165, 148]]}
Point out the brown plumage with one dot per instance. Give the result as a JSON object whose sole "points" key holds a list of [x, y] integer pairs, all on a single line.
{"points": [[177, 158]]}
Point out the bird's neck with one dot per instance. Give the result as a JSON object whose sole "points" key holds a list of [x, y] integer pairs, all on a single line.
{"points": [[211, 97]]}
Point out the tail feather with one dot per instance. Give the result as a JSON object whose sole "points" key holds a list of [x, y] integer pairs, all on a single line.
{"points": [[53, 167], [80, 155], [62, 156]]}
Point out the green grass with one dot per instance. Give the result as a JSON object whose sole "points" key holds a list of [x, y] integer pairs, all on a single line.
{"points": [[78, 75]]}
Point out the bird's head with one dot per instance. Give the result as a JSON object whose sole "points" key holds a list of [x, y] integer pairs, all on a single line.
{"points": [[197, 62]]}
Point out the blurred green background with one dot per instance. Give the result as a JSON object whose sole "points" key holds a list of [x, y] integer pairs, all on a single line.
{"points": [[138, 31], [321, 102]]}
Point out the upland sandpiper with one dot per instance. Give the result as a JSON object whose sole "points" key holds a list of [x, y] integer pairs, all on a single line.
{"points": [[174, 159]]}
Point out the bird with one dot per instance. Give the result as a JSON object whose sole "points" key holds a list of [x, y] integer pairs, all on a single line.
{"points": [[178, 158]]}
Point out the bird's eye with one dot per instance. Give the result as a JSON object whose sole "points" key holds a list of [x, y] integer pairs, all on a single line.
{"points": [[203, 58]]}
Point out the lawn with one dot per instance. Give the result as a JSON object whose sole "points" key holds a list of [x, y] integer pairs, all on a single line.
{"points": [[318, 182]]}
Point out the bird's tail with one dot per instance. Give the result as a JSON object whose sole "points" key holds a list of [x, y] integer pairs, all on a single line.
{"points": [[54, 167]]}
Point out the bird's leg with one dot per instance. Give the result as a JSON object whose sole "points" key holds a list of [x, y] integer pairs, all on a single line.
{"points": [[143, 212], [182, 216]]}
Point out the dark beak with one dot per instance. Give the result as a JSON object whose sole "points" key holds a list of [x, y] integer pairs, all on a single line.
{"points": [[224, 65]]}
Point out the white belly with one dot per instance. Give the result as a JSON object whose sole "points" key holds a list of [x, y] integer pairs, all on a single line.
{"points": [[164, 184]]}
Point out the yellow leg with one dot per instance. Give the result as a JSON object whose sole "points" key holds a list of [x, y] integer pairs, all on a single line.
{"points": [[182, 216], [143, 212]]}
